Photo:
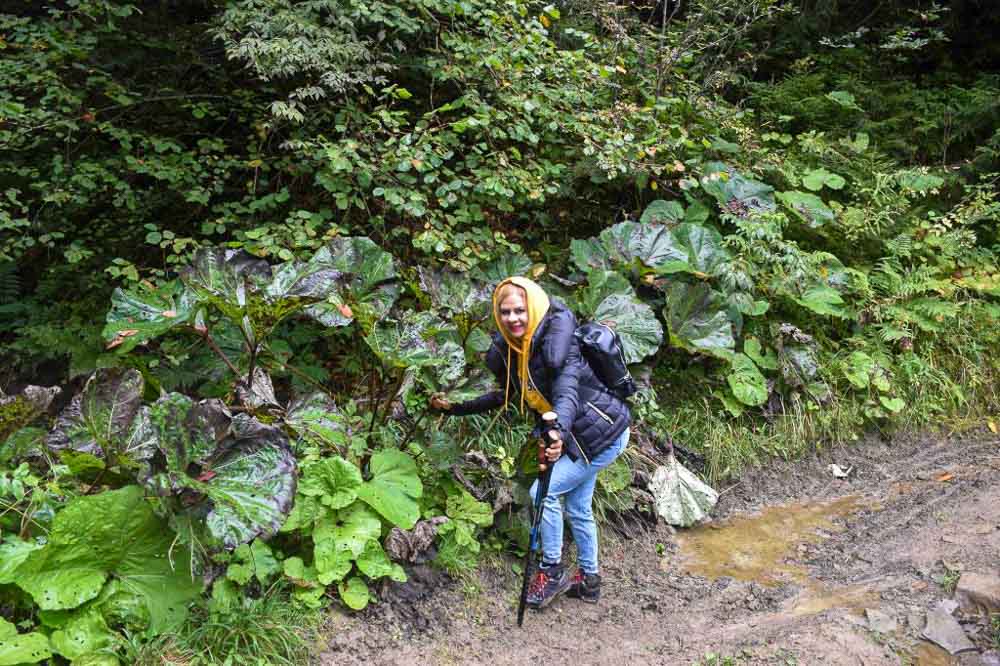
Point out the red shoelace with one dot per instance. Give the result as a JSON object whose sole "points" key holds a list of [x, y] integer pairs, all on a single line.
{"points": [[537, 585]]}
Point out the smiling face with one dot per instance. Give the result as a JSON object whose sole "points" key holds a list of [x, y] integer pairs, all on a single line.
{"points": [[513, 311]]}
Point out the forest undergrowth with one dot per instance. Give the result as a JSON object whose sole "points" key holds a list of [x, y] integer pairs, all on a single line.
{"points": [[242, 242]]}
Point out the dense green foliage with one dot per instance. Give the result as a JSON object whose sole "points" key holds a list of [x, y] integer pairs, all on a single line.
{"points": [[293, 214]]}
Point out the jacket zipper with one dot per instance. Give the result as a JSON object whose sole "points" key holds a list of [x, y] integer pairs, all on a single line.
{"points": [[600, 413], [579, 448]]}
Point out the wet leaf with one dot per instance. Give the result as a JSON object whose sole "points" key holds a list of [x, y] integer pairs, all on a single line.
{"points": [[84, 634], [394, 488], [680, 497], [686, 248], [114, 534], [139, 315], [698, 321], [634, 322], [107, 420], [662, 212], [225, 278], [808, 207], [367, 285], [600, 285], [505, 266], [455, 292], [374, 563], [736, 194], [354, 593], [420, 340], [316, 418], [15, 648], [746, 382]]}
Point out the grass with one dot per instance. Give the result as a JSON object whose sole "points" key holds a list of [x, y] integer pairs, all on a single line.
{"points": [[256, 632]]}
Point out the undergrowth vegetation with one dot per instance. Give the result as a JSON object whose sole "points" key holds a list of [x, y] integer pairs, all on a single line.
{"points": [[242, 242]]}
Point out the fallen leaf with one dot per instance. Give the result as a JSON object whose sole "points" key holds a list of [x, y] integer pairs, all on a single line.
{"points": [[120, 337], [345, 310], [169, 313], [945, 476], [992, 425]]}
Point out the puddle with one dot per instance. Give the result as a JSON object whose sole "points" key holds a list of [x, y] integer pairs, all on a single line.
{"points": [[928, 654], [755, 548], [815, 599]]}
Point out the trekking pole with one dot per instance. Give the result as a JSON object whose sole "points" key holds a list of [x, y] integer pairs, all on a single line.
{"points": [[549, 423]]}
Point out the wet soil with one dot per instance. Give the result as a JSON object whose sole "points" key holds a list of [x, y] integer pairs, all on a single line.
{"points": [[788, 571]]}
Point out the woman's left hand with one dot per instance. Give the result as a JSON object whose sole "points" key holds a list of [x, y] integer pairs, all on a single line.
{"points": [[555, 446]]}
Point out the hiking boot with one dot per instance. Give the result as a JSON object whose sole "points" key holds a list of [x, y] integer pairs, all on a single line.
{"points": [[548, 583], [585, 586]]}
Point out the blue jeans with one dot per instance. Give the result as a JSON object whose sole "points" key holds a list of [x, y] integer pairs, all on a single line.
{"points": [[575, 480]]}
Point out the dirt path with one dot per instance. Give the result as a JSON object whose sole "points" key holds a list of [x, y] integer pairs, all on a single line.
{"points": [[789, 572]]}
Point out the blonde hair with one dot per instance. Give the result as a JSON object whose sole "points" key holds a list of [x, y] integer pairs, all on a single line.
{"points": [[507, 289]]}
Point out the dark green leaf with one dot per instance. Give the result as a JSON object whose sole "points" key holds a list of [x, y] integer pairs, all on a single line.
{"points": [[698, 321], [662, 212], [636, 324], [394, 488], [139, 315]]}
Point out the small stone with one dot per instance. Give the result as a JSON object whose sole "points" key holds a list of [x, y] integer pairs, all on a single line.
{"points": [[978, 592], [880, 622], [949, 606], [944, 630], [990, 658]]}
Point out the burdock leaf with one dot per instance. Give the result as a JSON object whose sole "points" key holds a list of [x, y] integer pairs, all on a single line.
{"points": [[394, 488], [367, 284], [139, 315], [634, 322], [698, 321]]}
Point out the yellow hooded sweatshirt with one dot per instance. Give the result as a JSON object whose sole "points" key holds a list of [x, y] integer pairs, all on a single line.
{"points": [[537, 302]]}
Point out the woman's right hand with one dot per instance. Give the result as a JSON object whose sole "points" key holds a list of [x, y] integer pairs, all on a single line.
{"points": [[440, 403]]}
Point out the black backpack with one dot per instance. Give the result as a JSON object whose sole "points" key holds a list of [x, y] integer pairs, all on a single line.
{"points": [[602, 348]]}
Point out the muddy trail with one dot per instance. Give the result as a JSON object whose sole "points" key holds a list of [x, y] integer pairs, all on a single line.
{"points": [[797, 567]]}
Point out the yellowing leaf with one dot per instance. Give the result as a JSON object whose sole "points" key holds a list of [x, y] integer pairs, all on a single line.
{"points": [[545, 20], [169, 313], [416, 163], [992, 425], [653, 185]]}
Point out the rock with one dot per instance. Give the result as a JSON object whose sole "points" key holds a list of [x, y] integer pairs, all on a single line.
{"points": [[949, 606], [915, 620], [880, 622], [990, 658], [944, 630], [978, 592]]}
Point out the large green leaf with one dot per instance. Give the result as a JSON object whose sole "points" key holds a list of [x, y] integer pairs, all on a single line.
{"points": [[340, 537], [354, 593], [334, 482], [242, 471], [366, 288], [107, 420], [225, 278], [634, 322], [16, 648], [455, 292], [463, 506], [393, 488], [697, 320], [687, 247], [798, 362], [662, 212], [808, 207], [697, 250], [253, 484], [316, 418], [736, 194], [141, 314], [85, 633], [746, 382], [505, 266], [420, 340], [600, 285], [13, 552], [111, 535], [374, 563]]}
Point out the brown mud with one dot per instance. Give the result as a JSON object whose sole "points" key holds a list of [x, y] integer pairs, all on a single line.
{"points": [[788, 572]]}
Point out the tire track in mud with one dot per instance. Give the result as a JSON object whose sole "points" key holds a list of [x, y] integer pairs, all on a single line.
{"points": [[920, 502]]}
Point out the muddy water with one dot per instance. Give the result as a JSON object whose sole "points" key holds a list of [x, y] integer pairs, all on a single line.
{"points": [[760, 548]]}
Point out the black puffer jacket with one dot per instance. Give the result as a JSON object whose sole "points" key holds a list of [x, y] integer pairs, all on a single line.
{"points": [[590, 417]]}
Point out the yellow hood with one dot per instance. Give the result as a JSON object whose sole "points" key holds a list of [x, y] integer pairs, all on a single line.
{"points": [[537, 302]]}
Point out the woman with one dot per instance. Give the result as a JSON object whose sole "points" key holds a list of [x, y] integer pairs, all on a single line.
{"points": [[537, 360]]}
